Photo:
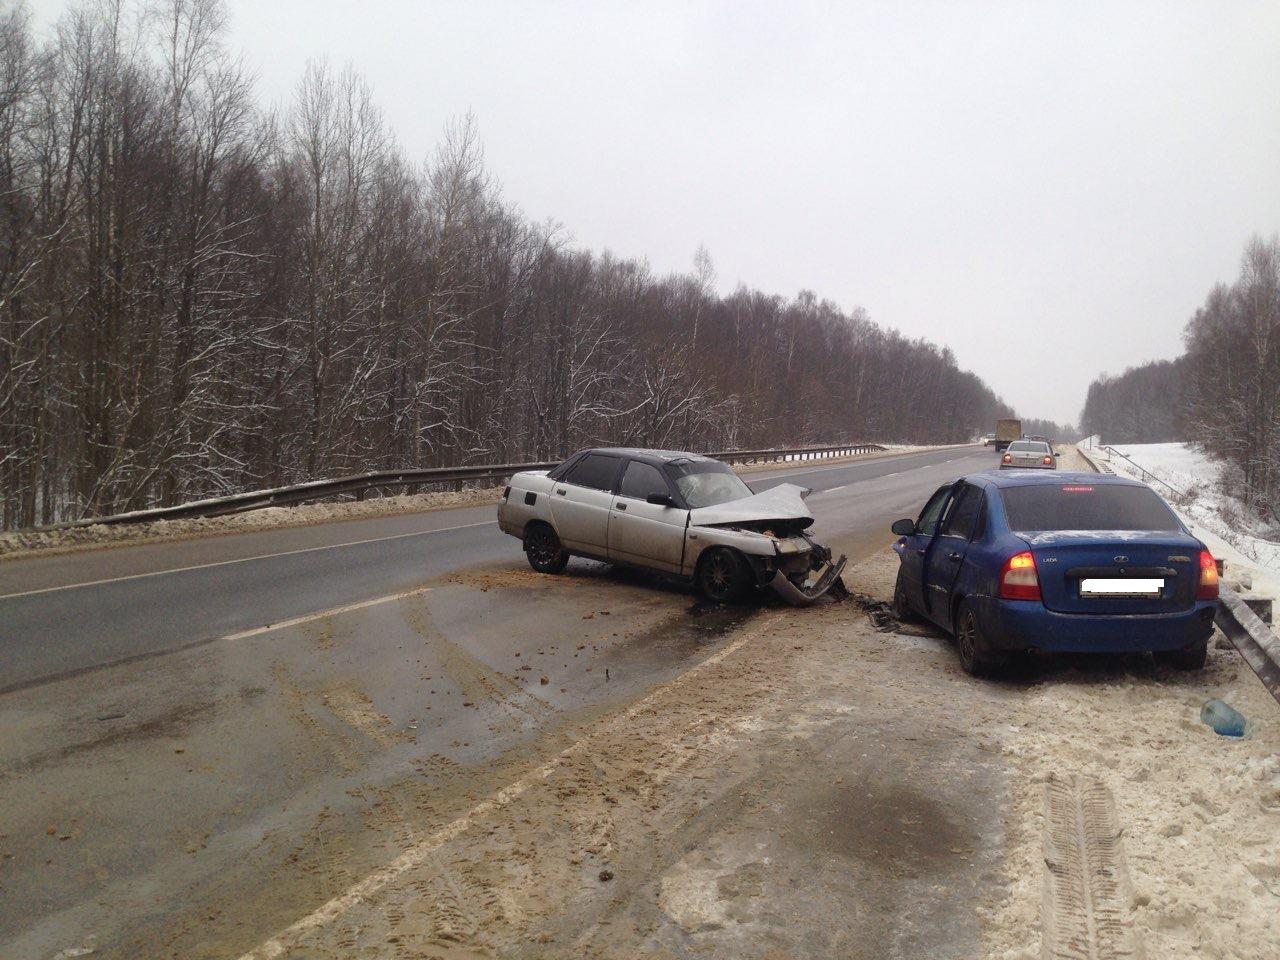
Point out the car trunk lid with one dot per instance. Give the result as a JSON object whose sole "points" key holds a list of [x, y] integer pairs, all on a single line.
{"points": [[1116, 571]]}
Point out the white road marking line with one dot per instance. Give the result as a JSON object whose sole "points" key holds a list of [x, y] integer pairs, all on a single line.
{"points": [[225, 563], [829, 490], [417, 854], [321, 614]]}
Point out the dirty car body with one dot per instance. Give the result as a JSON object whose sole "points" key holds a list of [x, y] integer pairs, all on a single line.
{"points": [[1057, 563], [679, 514]]}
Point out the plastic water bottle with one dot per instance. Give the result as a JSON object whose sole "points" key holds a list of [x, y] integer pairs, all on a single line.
{"points": [[1225, 719]]}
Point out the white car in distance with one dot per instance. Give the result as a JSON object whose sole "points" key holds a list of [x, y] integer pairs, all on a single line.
{"points": [[680, 514]]}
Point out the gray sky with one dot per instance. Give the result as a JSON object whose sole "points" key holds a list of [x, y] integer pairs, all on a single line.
{"points": [[1051, 189]]}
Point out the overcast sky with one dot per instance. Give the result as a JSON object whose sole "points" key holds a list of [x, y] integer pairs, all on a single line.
{"points": [[1048, 188]]}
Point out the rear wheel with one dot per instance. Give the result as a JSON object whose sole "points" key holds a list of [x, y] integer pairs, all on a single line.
{"points": [[543, 549], [901, 605], [723, 575], [977, 656], [1188, 658]]}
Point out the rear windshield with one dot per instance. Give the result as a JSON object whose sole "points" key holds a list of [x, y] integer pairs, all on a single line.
{"points": [[1022, 446], [1082, 506], [706, 483]]}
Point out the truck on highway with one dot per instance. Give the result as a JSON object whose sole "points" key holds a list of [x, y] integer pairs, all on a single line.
{"points": [[1007, 431]]}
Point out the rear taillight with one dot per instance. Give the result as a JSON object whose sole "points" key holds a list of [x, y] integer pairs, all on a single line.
{"points": [[1006, 459], [1207, 588], [1048, 460], [1018, 580]]}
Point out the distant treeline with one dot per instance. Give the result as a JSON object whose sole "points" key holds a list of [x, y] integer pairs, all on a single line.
{"points": [[1223, 394], [1065, 432], [200, 296], [1142, 405]]}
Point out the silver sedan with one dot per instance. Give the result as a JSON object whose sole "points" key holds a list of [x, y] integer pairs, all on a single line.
{"points": [[1029, 454]]}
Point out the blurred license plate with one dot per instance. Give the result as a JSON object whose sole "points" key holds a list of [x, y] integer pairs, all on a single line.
{"points": [[1128, 587]]}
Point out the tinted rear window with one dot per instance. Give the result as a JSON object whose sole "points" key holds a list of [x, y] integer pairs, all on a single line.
{"points": [[1086, 507]]}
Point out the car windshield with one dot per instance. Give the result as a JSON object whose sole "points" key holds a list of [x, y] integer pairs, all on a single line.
{"points": [[1084, 506], [705, 483], [1023, 446]]}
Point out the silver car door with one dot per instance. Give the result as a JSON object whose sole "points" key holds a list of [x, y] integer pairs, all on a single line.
{"points": [[644, 533], [581, 501]]}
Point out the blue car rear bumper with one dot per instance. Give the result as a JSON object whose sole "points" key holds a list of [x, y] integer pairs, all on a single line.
{"points": [[1026, 624]]}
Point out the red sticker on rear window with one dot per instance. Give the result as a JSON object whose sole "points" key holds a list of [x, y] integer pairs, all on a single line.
{"points": [[1077, 489]]}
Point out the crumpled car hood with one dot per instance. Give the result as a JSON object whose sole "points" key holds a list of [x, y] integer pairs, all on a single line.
{"points": [[783, 502]]}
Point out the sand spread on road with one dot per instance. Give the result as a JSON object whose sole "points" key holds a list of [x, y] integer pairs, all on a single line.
{"points": [[663, 824]]}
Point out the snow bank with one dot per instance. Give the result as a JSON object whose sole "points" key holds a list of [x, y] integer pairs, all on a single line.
{"points": [[45, 543]]}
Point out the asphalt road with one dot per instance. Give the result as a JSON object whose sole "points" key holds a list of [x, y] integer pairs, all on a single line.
{"points": [[68, 614], [175, 781]]}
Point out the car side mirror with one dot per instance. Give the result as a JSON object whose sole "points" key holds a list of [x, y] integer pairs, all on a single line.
{"points": [[660, 500], [903, 528]]}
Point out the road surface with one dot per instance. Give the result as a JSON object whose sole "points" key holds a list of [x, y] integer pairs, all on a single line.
{"points": [[178, 780]]}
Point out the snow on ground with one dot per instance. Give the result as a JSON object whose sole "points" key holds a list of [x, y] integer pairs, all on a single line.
{"points": [[1222, 521], [1199, 813]]}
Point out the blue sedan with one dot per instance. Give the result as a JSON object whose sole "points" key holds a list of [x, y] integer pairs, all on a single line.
{"points": [[1065, 562]]}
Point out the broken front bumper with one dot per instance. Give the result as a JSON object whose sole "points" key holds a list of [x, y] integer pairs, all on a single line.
{"points": [[803, 596]]}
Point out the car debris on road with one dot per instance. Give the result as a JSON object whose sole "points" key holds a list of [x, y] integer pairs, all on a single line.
{"points": [[679, 514]]}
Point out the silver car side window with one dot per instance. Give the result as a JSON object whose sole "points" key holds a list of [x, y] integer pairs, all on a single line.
{"points": [[595, 471]]}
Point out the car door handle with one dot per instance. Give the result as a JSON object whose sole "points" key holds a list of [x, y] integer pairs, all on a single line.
{"points": [[953, 556], [560, 492], [620, 506]]}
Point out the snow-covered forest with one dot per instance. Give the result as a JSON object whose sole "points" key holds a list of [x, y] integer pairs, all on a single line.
{"points": [[1222, 394], [198, 295]]}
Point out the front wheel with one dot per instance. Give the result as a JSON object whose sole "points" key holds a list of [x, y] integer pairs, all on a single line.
{"points": [[1188, 658], [977, 656], [723, 575], [543, 549], [901, 605]]}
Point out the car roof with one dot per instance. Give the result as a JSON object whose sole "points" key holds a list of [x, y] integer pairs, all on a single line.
{"points": [[655, 457], [1050, 478]]}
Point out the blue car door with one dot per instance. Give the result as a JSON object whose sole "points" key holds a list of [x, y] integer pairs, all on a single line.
{"points": [[915, 547], [945, 556]]}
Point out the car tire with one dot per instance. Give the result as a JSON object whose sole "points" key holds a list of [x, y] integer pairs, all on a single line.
{"points": [[977, 656], [543, 550], [901, 607], [1188, 658], [723, 576]]}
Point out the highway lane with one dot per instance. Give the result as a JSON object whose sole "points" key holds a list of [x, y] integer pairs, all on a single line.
{"points": [[65, 614], [167, 795]]}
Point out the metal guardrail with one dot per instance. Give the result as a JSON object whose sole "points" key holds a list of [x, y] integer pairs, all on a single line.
{"points": [[1256, 642], [359, 484], [1147, 475]]}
